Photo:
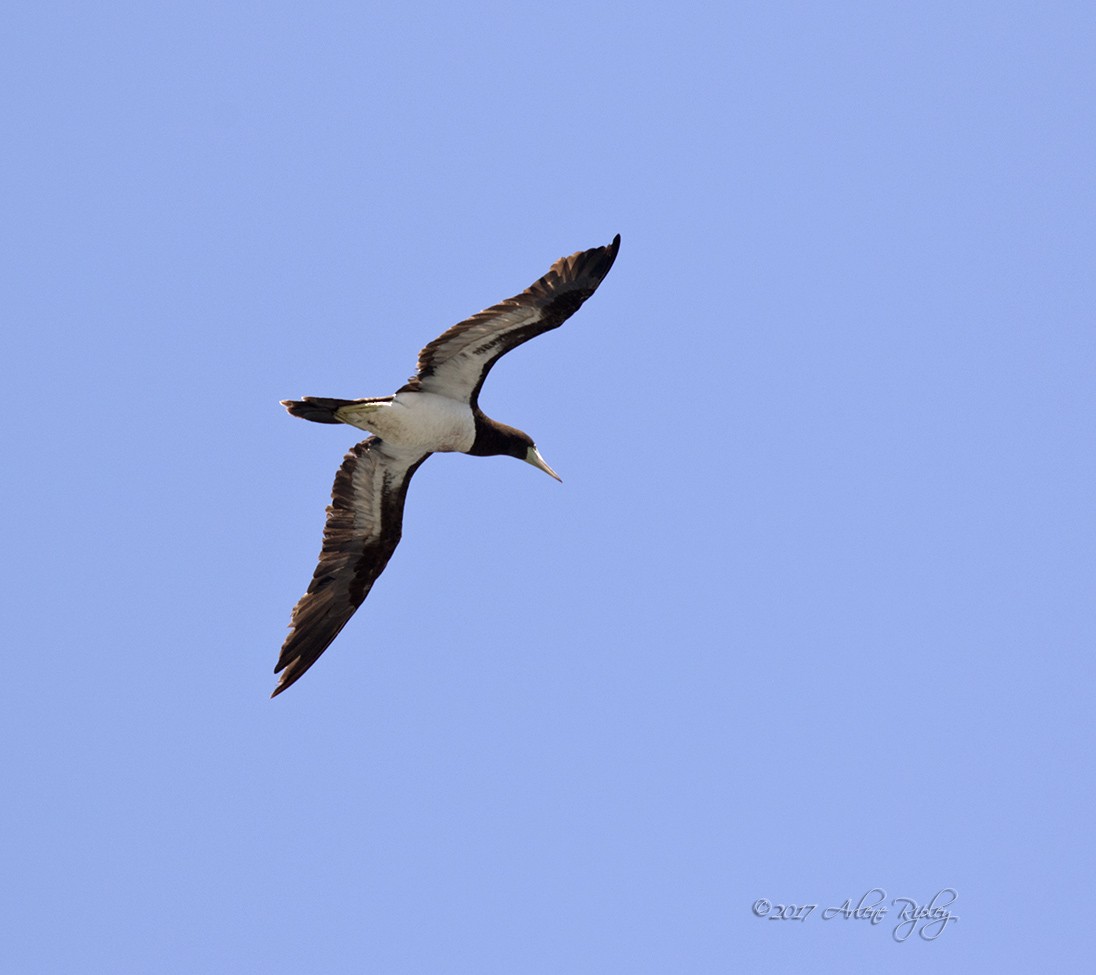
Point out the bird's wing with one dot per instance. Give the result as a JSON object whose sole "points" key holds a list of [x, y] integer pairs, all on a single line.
{"points": [[364, 524], [457, 361]]}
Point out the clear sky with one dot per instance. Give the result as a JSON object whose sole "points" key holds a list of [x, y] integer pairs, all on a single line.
{"points": [[811, 614]]}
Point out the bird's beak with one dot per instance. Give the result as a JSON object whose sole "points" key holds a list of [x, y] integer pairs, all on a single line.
{"points": [[532, 456]]}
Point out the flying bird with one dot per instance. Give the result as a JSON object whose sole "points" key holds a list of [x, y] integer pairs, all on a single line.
{"points": [[435, 412]]}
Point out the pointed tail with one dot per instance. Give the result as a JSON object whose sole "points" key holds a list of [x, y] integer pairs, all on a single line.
{"points": [[318, 409]]}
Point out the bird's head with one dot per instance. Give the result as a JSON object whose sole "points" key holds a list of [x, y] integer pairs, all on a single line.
{"points": [[495, 438], [532, 456], [521, 446]]}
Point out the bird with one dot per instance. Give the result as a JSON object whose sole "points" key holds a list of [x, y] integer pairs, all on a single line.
{"points": [[436, 411]]}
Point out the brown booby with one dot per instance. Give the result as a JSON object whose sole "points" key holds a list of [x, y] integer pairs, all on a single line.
{"points": [[436, 411]]}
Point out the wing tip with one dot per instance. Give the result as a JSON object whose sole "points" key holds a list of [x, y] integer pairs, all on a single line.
{"points": [[610, 250], [589, 266], [290, 674]]}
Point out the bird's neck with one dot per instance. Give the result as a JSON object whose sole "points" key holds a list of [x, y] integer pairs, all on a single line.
{"points": [[493, 438]]}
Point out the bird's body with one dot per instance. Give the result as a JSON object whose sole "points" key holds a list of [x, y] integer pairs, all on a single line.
{"points": [[436, 411], [428, 420]]}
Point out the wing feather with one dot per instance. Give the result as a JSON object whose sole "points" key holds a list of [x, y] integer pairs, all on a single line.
{"points": [[456, 363], [364, 526]]}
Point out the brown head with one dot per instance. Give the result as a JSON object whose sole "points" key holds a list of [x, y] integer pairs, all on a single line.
{"points": [[495, 439]]}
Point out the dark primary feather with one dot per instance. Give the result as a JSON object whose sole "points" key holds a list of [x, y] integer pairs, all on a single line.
{"points": [[457, 361], [364, 525]]}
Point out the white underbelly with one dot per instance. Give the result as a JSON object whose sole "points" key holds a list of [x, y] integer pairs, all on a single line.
{"points": [[421, 420]]}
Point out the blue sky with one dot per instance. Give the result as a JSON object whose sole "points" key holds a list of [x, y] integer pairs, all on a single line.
{"points": [[811, 613]]}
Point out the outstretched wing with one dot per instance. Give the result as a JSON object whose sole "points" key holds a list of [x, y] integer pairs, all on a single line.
{"points": [[457, 361], [364, 525]]}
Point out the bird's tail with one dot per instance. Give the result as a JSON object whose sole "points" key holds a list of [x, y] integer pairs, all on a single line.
{"points": [[318, 409]]}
